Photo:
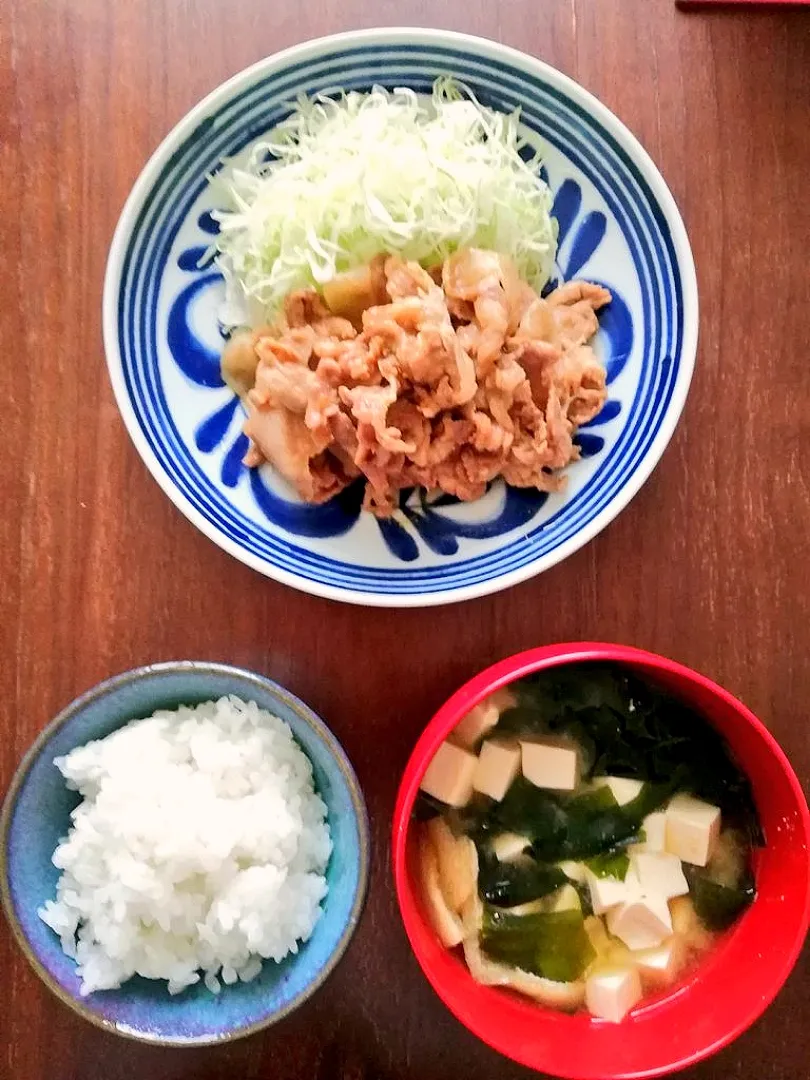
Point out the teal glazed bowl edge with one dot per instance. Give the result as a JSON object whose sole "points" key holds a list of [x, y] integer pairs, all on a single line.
{"points": [[35, 816]]}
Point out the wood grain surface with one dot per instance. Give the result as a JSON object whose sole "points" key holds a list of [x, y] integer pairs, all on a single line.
{"points": [[99, 572]]}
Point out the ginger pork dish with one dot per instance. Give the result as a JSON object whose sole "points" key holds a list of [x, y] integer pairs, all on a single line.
{"points": [[388, 263], [443, 379]]}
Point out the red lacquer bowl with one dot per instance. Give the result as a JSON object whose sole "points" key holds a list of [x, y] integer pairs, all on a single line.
{"points": [[721, 997]]}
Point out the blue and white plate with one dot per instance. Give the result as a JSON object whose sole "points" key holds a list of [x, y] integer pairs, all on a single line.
{"points": [[618, 225]]}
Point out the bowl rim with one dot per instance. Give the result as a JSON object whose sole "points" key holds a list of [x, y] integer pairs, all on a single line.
{"points": [[276, 62], [96, 693], [541, 658]]}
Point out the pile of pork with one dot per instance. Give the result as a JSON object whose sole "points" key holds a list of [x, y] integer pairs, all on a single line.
{"points": [[443, 379]]}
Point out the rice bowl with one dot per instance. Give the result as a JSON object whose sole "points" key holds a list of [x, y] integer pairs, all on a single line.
{"points": [[35, 818]]}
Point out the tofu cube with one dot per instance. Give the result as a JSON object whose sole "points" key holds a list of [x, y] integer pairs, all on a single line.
{"points": [[498, 765], [659, 967], [611, 993], [660, 873], [655, 828], [622, 789], [449, 776], [551, 763], [692, 829], [607, 892], [483, 717], [641, 922], [509, 845]]}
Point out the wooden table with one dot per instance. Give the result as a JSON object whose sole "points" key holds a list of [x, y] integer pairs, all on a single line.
{"points": [[99, 572]]}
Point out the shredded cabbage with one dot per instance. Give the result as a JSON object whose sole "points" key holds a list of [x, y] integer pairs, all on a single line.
{"points": [[347, 177]]}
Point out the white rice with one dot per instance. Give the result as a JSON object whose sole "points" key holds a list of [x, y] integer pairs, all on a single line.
{"points": [[198, 851]]}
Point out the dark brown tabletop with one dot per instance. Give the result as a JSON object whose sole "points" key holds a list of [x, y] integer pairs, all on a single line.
{"points": [[99, 572]]}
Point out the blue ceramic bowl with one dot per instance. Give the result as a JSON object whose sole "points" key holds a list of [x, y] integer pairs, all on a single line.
{"points": [[35, 816], [618, 225]]}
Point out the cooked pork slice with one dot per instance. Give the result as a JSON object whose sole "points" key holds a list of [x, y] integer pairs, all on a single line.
{"points": [[445, 379], [477, 276], [282, 438], [406, 278], [369, 406], [572, 292], [581, 379], [574, 306]]}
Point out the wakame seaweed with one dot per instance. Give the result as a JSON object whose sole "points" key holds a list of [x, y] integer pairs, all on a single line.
{"points": [[717, 905], [629, 728], [554, 945], [426, 807], [562, 826], [518, 881], [613, 864]]}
